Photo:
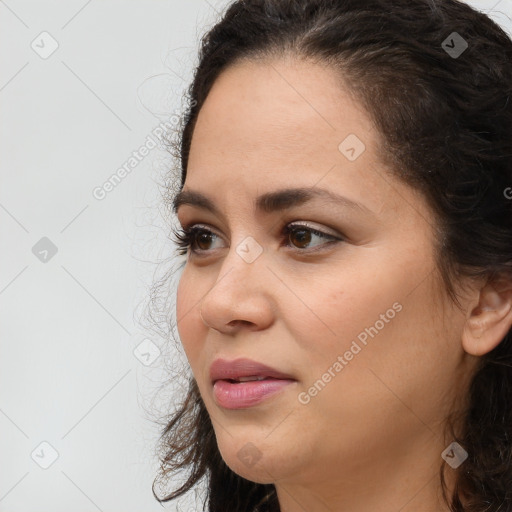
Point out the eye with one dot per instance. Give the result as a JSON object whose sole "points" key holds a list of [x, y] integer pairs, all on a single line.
{"points": [[191, 237], [198, 238], [304, 234]]}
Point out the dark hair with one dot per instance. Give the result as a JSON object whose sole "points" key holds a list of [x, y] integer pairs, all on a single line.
{"points": [[445, 122]]}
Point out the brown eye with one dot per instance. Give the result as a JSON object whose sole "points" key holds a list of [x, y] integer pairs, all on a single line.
{"points": [[195, 238], [300, 236], [202, 238]]}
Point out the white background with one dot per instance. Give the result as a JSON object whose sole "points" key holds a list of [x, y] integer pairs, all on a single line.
{"points": [[68, 326]]}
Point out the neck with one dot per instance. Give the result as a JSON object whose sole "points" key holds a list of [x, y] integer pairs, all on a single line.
{"points": [[404, 480]]}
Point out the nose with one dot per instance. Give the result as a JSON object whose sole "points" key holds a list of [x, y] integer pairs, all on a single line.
{"points": [[241, 295]]}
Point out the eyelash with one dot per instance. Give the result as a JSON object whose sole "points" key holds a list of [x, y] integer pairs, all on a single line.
{"points": [[184, 237]]}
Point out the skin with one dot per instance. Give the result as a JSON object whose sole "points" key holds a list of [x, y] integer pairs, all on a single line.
{"points": [[372, 438]]}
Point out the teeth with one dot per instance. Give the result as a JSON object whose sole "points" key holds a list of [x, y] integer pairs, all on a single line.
{"points": [[246, 379]]}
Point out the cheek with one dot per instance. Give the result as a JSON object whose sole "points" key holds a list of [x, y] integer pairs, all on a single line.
{"points": [[376, 321], [370, 322], [187, 316], [372, 377], [182, 306], [347, 307]]}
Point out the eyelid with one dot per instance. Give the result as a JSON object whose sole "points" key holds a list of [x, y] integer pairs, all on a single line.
{"points": [[196, 225], [313, 227], [286, 228], [325, 230]]}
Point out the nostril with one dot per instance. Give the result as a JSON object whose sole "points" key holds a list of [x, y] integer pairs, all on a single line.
{"points": [[239, 322]]}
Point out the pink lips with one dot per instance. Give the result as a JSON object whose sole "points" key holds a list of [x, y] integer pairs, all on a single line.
{"points": [[231, 394]]}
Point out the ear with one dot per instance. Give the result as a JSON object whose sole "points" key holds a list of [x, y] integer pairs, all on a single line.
{"points": [[490, 320]]}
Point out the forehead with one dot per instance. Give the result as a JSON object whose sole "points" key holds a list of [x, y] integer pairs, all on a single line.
{"points": [[268, 125], [291, 105]]}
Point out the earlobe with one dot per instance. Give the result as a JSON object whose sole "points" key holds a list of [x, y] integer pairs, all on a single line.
{"points": [[489, 322]]}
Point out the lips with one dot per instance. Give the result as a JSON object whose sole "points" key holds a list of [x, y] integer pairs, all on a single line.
{"points": [[239, 370]]}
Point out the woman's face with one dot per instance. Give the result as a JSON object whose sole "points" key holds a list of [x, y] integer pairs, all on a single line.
{"points": [[356, 316]]}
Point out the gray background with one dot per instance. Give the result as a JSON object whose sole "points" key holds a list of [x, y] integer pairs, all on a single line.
{"points": [[77, 370]]}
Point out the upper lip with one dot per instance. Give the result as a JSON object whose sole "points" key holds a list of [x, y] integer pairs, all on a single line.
{"points": [[243, 367]]}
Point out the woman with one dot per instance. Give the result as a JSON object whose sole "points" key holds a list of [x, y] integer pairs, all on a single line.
{"points": [[345, 207]]}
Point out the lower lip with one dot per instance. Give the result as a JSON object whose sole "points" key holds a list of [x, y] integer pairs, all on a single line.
{"points": [[246, 394]]}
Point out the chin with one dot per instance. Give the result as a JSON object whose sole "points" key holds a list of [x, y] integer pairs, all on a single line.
{"points": [[248, 461]]}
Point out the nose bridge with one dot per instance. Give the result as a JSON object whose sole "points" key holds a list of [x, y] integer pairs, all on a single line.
{"points": [[242, 266], [238, 293]]}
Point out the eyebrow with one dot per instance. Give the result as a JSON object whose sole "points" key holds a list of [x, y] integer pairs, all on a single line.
{"points": [[271, 201]]}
